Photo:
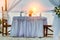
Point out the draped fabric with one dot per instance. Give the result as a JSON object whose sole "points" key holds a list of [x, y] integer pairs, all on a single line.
{"points": [[56, 27], [28, 26], [55, 2]]}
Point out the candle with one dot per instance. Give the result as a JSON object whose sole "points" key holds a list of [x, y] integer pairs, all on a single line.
{"points": [[30, 13]]}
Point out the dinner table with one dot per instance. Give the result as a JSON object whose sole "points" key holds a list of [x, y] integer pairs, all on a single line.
{"points": [[28, 26]]}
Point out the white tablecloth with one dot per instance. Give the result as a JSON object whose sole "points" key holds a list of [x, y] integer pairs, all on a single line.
{"points": [[28, 26], [56, 27]]}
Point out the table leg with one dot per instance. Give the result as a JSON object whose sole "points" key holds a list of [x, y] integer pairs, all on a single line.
{"points": [[6, 30], [2, 31], [2, 27], [44, 31]]}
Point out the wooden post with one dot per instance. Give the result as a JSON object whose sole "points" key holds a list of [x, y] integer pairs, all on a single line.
{"points": [[6, 27], [5, 5], [6, 19], [2, 23]]}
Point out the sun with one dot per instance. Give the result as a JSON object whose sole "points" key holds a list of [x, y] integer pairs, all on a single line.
{"points": [[34, 9]]}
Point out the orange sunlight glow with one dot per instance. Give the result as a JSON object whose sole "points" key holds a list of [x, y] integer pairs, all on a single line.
{"points": [[34, 8]]}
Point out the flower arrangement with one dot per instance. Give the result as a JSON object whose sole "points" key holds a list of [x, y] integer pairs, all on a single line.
{"points": [[57, 10]]}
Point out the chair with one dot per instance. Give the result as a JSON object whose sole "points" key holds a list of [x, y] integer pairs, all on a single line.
{"points": [[5, 27], [46, 28]]}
